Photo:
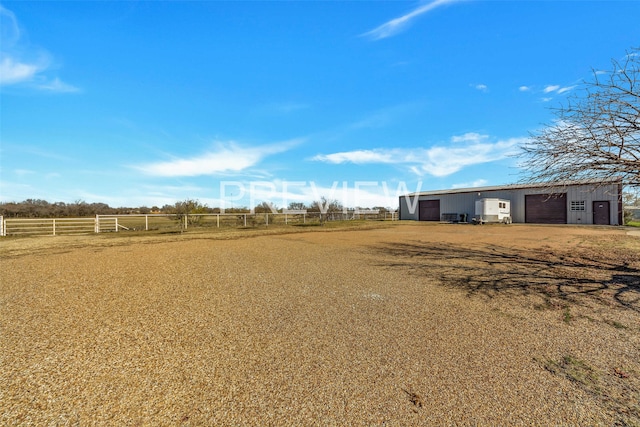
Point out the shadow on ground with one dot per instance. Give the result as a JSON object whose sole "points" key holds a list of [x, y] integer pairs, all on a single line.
{"points": [[491, 271], [607, 278]]}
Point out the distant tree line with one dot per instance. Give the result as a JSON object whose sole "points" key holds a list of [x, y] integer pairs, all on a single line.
{"points": [[37, 208]]}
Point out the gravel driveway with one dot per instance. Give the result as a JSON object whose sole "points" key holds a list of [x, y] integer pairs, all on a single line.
{"points": [[412, 324]]}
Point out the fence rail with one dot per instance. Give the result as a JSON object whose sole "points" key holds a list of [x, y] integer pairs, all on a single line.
{"points": [[146, 222], [46, 226]]}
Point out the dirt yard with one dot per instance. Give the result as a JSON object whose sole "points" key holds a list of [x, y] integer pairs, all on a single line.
{"points": [[405, 324]]}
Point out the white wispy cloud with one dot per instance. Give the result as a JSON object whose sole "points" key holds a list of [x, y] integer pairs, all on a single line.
{"points": [[14, 191], [13, 71], [9, 147], [549, 90], [229, 157], [281, 193], [385, 116], [358, 194], [56, 85], [9, 29], [394, 26], [21, 63], [375, 119], [23, 172], [469, 137], [443, 160], [481, 87], [446, 160], [360, 156], [557, 89], [477, 183], [565, 89]]}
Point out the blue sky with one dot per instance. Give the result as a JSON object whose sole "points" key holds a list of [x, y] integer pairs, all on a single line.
{"points": [[235, 103]]}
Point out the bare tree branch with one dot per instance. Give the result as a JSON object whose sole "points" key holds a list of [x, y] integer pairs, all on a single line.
{"points": [[596, 135]]}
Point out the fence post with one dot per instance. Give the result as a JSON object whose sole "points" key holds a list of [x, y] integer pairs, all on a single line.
{"points": [[2, 233], [146, 223], [96, 225], [116, 224], [266, 219], [185, 220], [54, 226], [218, 220], [245, 220]]}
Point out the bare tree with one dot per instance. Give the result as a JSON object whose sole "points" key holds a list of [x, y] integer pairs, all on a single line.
{"points": [[631, 198], [596, 135], [297, 206], [265, 207], [187, 208], [326, 209]]}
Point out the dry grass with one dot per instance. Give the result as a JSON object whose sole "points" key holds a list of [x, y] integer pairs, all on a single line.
{"points": [[412, 324]]}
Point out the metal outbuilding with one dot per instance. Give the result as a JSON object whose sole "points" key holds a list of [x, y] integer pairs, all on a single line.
{"points": [[579, 202]]}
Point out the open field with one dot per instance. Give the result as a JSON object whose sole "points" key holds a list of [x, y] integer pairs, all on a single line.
{"points": [[167, 223], [396, 324]]}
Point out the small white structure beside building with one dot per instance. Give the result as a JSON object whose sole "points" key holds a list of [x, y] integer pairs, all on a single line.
{"points": [[579, 202], [492, 210]]}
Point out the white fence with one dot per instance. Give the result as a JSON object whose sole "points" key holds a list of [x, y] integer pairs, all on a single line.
{"points": [[146, 222], [44, 226], [157, 221]]}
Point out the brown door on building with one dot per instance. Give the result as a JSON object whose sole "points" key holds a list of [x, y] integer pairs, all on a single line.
{"points": [[601, 213], [545, 208], [429, 210]]}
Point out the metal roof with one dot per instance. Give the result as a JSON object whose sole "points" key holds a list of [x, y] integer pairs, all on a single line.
{"points": [[551, 186]]}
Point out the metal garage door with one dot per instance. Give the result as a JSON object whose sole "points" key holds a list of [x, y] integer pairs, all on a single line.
{"points": [[545, 209], [429, 210]]}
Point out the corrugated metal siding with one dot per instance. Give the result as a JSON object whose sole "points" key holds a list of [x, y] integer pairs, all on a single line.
{"points": [[465, 203], [409, 208], [461, 203]]}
